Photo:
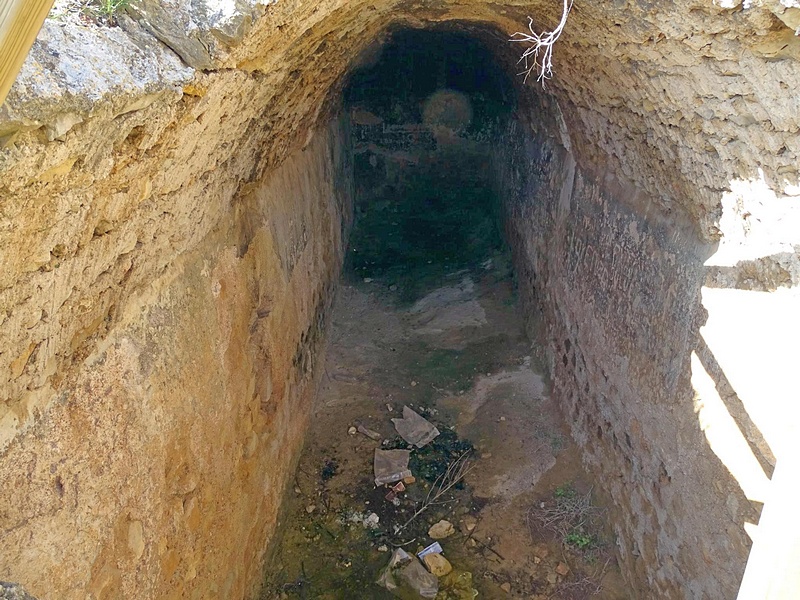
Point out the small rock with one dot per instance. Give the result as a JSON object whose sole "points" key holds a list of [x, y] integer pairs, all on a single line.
{"points": [[373, 435], [297, 490], [441, 530], [372, 521], [413, 384], [471, 543], [506, 587], [437, 564], [310, 508], [13, 591], [389, 408], [393, 288], [468, 523], [383, 548], [502, 418], [352, 431], [367, 279], [562, 569], [552, 578], [409, 480], [486, 455], [536, 560]]}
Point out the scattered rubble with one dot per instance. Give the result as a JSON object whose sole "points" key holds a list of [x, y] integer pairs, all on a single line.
{"points": [[372, 521]]}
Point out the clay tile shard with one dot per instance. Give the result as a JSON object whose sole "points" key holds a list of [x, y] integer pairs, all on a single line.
{"points": [[415, 429]]}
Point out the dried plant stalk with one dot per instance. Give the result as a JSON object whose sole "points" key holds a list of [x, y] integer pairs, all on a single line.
{"points": [[456, 471]]}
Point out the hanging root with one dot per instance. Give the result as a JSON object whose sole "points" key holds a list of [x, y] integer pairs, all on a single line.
{"points": [[539, 54]]}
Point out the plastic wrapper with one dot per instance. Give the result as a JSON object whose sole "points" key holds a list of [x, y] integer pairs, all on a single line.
{"points": [[415, 429], [390, 465]]}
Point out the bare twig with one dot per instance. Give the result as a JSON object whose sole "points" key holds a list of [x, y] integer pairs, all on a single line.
{"points": [[585, 586], [539, 54], [488, 547], [567, 514], [455, 472]]}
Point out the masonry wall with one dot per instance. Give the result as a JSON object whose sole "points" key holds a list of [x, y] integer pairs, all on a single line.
{"points": [[611, 286], [158, 470]]}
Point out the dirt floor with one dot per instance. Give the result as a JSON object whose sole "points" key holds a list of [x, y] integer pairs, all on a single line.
{"points": [[526, 524]]}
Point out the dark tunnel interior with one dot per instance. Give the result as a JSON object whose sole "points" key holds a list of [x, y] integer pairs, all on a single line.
{"points": [[424, 114]]}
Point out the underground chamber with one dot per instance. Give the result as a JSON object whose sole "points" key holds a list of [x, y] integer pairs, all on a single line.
{"points": [[427, 325], [257, 233]]}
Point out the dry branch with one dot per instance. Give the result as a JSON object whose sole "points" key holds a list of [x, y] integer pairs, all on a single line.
{"points": [[566, 515], [456, 471]]}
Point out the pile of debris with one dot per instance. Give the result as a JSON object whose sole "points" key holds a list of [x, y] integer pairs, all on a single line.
{"points": [[427, 573]]}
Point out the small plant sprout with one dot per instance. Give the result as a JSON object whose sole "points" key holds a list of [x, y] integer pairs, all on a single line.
{"points": [[564, 491], [108, 9], [538, 56]]}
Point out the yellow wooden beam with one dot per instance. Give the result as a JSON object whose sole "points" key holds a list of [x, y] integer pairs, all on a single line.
{"points": [[20, 21]]}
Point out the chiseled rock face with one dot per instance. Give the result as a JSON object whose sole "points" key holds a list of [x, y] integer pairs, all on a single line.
{"points": [[75, 70], [173, 203], [199, 32], [159, 466]]}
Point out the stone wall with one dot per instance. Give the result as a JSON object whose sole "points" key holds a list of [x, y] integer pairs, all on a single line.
{"points": [[158, 469], [612, 288]]}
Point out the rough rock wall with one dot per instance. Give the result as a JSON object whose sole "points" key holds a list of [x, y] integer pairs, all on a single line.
{"points": [[613, 284], [158, 468], [122, 149]]}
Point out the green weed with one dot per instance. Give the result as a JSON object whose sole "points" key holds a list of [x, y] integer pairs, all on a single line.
{"points": [[100, 11], [564, 491], [580, 540]]}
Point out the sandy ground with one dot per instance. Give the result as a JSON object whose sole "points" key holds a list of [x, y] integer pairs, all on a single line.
{"points": [[460, 358]]}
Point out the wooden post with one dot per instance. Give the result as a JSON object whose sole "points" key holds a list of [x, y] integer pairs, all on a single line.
{"points": [[20, 21]]}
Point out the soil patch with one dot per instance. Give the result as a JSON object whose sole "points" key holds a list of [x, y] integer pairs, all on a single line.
{"points": [[475, 381]]}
